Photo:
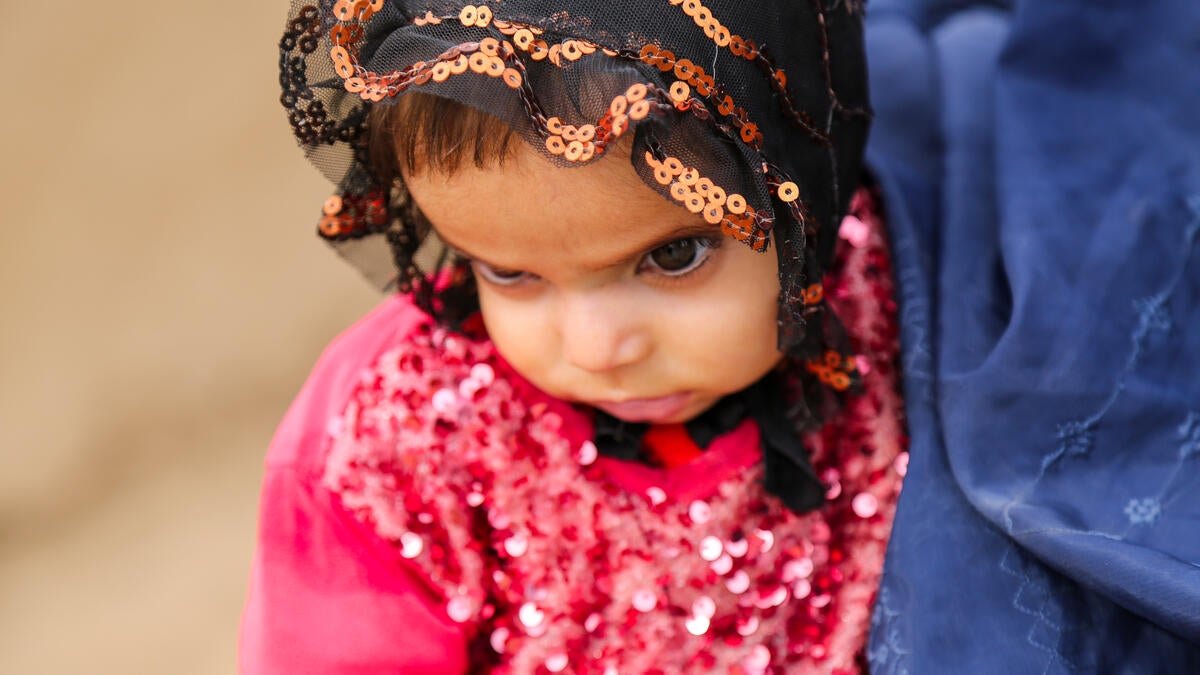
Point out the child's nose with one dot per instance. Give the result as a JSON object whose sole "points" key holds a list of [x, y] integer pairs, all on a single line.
{"points": [[602, 331]]}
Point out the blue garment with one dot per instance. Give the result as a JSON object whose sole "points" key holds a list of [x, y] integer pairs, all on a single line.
{"points": [[1040, 164]]}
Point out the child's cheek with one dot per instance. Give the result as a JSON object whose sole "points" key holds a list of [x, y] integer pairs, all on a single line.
{"points": [[520, 329]]}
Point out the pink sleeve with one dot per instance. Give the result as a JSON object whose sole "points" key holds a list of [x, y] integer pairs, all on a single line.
{"points": [[327, 593]]}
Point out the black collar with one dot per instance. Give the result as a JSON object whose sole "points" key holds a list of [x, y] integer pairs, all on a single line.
{"points": [[788, 472]]}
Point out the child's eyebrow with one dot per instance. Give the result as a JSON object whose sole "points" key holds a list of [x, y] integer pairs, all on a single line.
{"points": [[681, 232]]}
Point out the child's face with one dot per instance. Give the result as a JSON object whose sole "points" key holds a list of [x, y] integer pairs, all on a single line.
{"points": [[600, 291]]}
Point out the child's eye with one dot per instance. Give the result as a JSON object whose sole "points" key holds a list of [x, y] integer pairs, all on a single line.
{"points": [[679, 257], [498, 276]]}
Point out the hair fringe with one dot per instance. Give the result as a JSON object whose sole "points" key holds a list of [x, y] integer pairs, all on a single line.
{"points": [[422, 132]]}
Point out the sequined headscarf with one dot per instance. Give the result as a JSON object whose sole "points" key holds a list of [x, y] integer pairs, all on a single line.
{"points": [[752, 115]]}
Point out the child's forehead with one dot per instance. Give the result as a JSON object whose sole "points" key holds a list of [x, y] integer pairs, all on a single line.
{"points": [[591, 217], [604, 206]]}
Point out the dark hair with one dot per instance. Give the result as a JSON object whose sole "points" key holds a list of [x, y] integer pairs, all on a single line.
{"points": [[422, 132]]}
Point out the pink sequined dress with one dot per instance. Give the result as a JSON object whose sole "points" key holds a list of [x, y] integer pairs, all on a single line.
{"points": [[425, 510]]}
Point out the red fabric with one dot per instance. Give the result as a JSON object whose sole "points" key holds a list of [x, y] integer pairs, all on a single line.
{"points": [[670, 445], [327, 594]]}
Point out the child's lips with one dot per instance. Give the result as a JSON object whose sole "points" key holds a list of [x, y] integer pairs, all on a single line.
{"points": [[653, 410]]}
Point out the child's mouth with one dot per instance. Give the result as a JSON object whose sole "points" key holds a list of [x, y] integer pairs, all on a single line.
{"points": [[653, 410]]}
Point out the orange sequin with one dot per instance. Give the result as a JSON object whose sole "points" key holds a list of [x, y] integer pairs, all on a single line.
{"points": [[680, 92], [479, 62], [814, 294], [666, 60], [735, 229], [716, 195], [539, 50], [722, 36], [490, 46], [512, 78], [339, 35], [684, 69], [483, 16], [342, 10], [330, 226]]}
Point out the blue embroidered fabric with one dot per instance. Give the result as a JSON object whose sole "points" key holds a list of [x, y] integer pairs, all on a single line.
{"points": [[1040, 164]]}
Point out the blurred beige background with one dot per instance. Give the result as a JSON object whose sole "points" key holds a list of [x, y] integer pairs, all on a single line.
{"points": [[163, 298]]}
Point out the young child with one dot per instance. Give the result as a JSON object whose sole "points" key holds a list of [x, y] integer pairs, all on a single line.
{"points": [[642, 414]]}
